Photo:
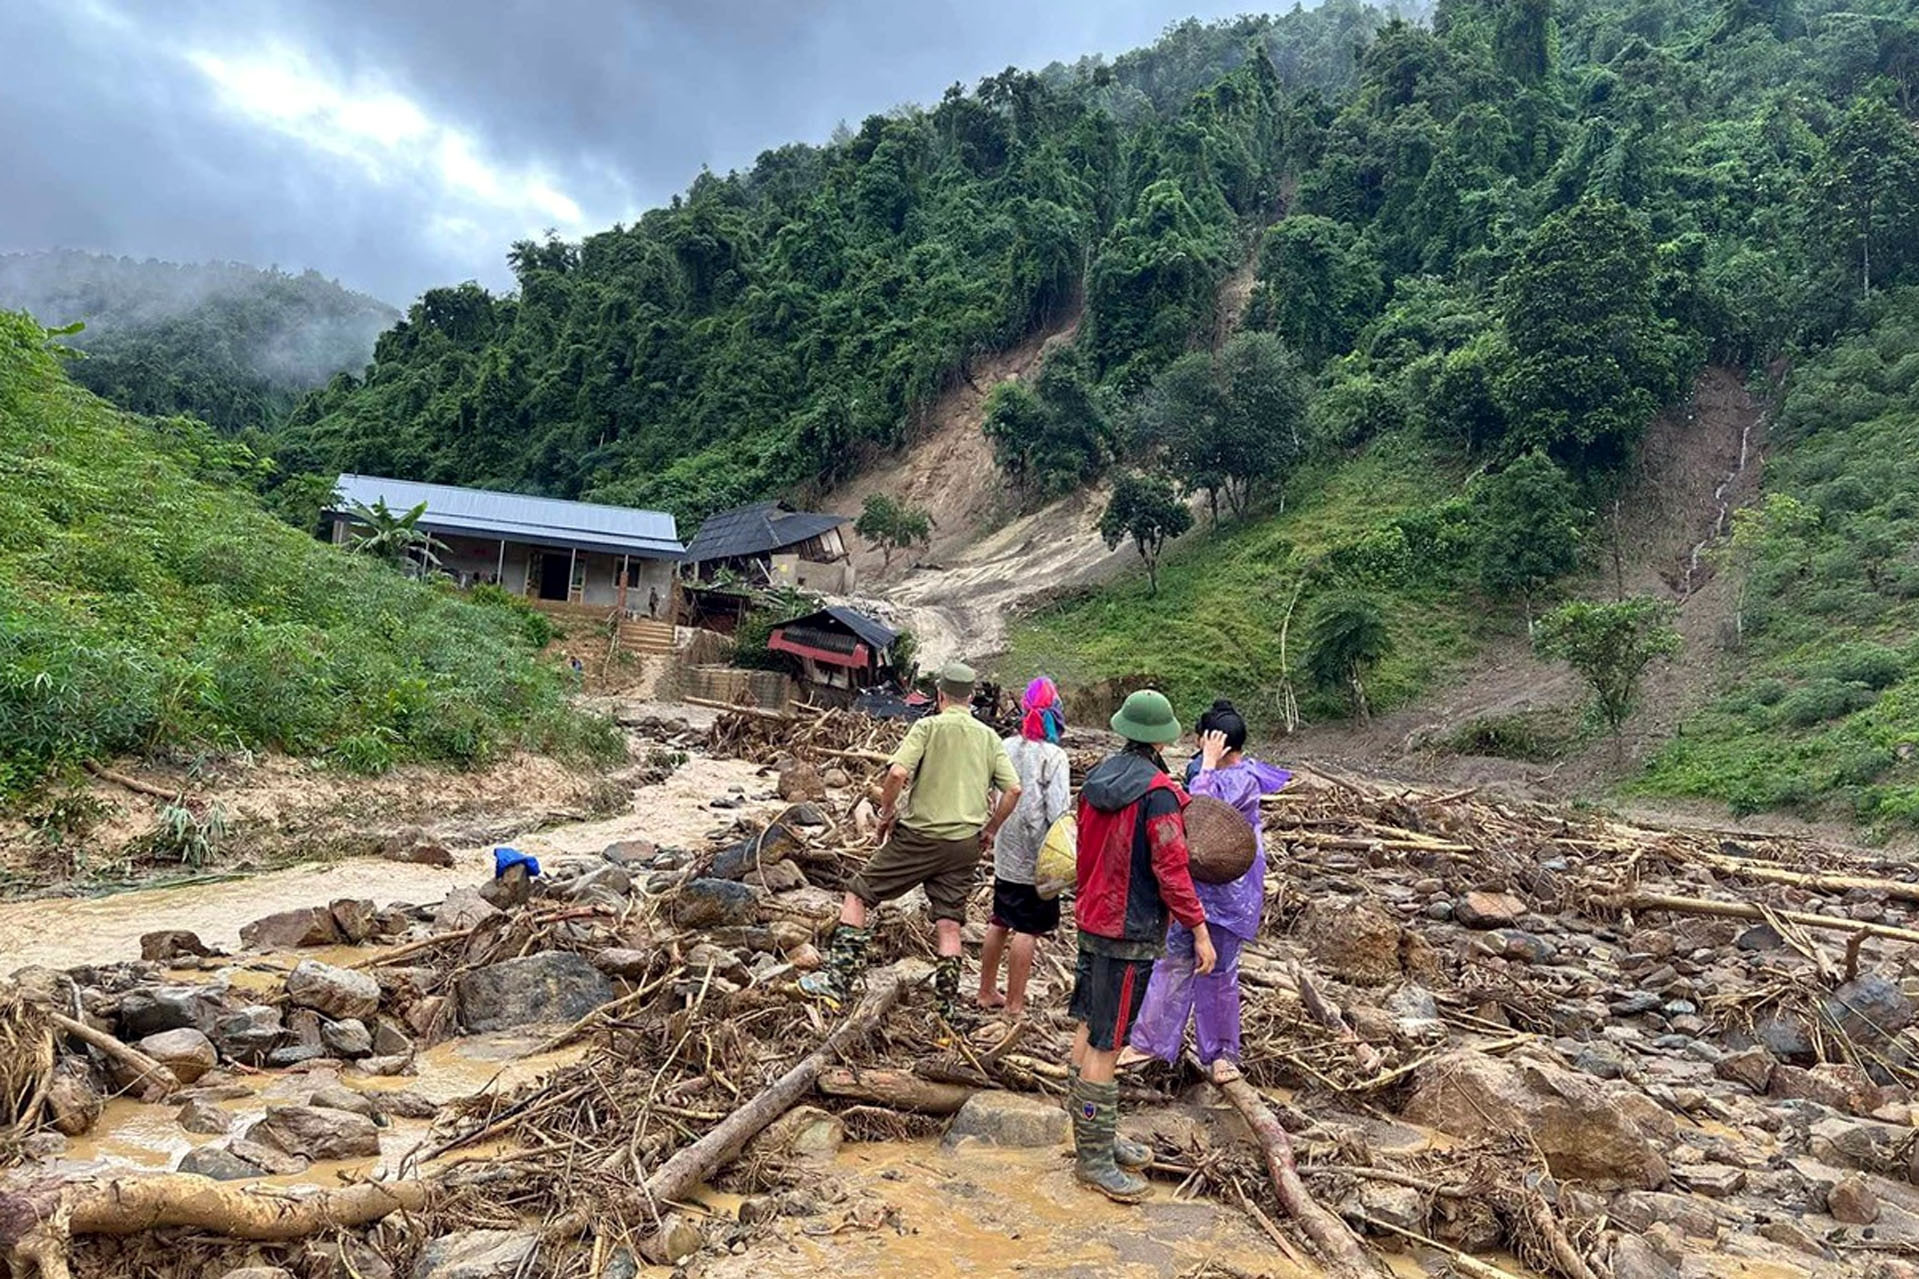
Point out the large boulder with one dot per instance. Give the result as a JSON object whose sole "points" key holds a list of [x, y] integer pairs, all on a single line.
{"points": [[1489, 910], [463, 908], [1355, 942], [477, 1254], [353, 916], [1008, 1119], [186, 1052], [169, 944], [338, 993], [1870, 1007], [774, 844], [291, 929], [218, 1163], [72, 1101], [316, 1132], [713, 903], [348, 1038], [248, 1034], [149, 1010], [557, 986], [1579, 1124]]}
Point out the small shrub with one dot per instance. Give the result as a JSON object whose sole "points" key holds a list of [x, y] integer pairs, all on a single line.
{"points": [[1873, 665], [1863, 765], [1533, 736], [1822, 699]]}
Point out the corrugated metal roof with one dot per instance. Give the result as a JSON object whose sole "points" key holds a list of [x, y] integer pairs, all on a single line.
{"points": [[545, 521], [757, 529], [874, 632]]}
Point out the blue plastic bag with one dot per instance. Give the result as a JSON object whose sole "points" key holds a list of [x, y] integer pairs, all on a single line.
{"points": [[504, 859]]}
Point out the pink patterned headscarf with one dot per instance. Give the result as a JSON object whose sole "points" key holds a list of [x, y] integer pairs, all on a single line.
{"points": [[1043, 720]]}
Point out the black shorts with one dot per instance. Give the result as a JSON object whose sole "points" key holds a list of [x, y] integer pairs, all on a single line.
{"points": [[1019, 908], [1107, 993]]}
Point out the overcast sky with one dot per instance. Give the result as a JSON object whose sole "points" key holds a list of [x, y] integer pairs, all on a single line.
{"points": [[399, 144]]}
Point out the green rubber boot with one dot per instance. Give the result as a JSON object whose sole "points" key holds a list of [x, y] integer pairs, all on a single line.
{"points": [[845, 966], [1095, 1122], [1127, 1153], [946, 989]]}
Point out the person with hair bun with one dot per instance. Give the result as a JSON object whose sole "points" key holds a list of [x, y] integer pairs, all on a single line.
{"points": [[1178, 992]]}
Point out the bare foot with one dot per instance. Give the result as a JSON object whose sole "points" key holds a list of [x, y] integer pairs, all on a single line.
{"points": [[1013, 1011], [1130, 1056], [1224, 1071], [991, 999]]}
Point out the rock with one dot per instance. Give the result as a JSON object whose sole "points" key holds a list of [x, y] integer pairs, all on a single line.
{"points": [[1853, 1202], [1399, 1206], [1008, 1119], [170, 944], [340, 1097], [219, 1163], [1715, 1181], [345, 1259], [1634, 1258], [429, 1016], [402, 1103], [412, 845], [1634, 1004], [1858, 1143], [1787, 1039], [348, 1038], [555, 986], [1654, 943], [713, 903], [631, 852], [384, 1065], [808, 816], [149, 1010], [609, 884], [1760, 937], [628, 965], [804, 1132], [186, 1052], [511, 888], [801, 781], [258, 1272], [1586, 1132], [1870, 1007], [1527, 948], [291, 929], [248, 1034], [391, 921], [73, 1103], [477, 1254], [463, 908], [1792, 1235], [1753, 1068], [354, 918], [268, 1159], [205, 1118], [1644, 1211], [773, 844], [1843, 1087], [1354, 942], [1470, 1225], [333, 992], [1489, 910], [779, 877], [836, 777], [389, 1040], [316, 1132], [1602, 1061]]}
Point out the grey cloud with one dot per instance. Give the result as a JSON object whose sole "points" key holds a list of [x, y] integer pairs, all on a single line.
{"points": [[119, 145]]}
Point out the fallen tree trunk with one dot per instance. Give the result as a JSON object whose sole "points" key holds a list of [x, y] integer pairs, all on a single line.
{"points": [[895, 1090], [1344, 1256], [695, 1163], [1818, 881], [37, 1237], [133, 784], [154, 1080], [1741, 910]]}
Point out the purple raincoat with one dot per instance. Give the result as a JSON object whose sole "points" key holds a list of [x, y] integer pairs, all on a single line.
{"points": [[1235, 906]]}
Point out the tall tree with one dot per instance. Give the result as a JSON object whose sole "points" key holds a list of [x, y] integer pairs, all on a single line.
{"points": [[1609, 645], [1529, 528], [1318, 283], [1146, 509], [1867, 190]]}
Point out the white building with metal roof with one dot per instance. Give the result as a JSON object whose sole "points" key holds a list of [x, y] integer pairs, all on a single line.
{"points": [[547, 549]]}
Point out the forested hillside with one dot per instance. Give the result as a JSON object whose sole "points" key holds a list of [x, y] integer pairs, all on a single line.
{"points": [[232, 345], [777, 325], [148, 604]]}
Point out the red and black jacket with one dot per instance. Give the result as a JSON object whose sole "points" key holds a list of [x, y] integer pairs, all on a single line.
{"points": [[1133, 864]]}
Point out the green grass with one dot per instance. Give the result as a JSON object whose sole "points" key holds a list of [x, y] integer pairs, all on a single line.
{"points": [[148, 604], [1214, 629], [1819, 709]]}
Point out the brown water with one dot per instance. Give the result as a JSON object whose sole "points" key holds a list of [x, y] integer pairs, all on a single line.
{"points": [[64, 932]]}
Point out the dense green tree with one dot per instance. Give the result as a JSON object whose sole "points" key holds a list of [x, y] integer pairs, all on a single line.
{"points": [[1318, 284], [1346, 638], [1529, 525], [1866, 192], [1609, 645], [893, 526], [1146, 509]]}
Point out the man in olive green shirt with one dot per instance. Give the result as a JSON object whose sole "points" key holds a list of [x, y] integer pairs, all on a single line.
{"points": [[949, 764]]}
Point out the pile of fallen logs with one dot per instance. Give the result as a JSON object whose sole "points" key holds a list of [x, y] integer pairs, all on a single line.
{"points": [[1471, 1026]]}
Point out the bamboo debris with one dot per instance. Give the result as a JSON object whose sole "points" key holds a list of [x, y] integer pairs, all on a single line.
{"points": [[1763, 914]]}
